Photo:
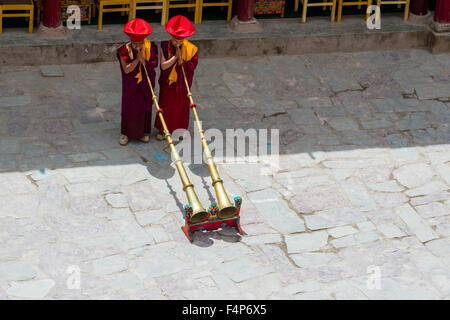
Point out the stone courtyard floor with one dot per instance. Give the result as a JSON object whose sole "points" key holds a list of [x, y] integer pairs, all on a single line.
{"points": [[361, 193]]}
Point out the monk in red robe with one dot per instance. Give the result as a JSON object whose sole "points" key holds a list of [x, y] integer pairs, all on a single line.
{"points": [[176, 53], [136, 94]]}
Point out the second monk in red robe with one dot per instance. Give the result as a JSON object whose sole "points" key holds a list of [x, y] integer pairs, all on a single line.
{"points": [[172, 89], [136, 95]]}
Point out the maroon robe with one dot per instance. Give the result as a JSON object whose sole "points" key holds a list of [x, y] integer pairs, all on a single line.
{"points": [[136, 97], [173, 98], [442, 11]]}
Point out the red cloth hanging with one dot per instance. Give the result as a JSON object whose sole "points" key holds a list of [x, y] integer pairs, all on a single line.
{"points": [[245, 10], [442, 11], [52, 13], [419, 7]]}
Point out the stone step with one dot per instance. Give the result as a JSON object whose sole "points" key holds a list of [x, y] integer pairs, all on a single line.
{"points": [[216, 39]]}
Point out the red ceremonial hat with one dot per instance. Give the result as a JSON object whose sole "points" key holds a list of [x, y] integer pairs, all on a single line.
{"points": [[137, 29], [180, 27]]}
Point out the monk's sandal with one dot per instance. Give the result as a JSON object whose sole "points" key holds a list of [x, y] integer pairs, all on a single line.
{"points": [[123, 140], [160, 136]]}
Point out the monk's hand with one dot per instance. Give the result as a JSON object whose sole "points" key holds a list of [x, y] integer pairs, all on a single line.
{"points": [[178, 55], [141, 58]]}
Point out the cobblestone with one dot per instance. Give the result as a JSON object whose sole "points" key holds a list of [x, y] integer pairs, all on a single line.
{"points": [[362, 179]]}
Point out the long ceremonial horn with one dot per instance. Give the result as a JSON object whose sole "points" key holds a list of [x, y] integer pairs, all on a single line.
{"points": [[199, 214], [226, 208]]}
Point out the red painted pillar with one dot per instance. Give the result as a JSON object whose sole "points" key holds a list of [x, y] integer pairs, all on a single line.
{"points": [[419, 7], [52, 13], [442, 11], [246, 9]]}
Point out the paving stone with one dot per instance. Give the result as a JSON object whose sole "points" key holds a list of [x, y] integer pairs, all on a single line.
{"points": [[90, 206], [42, 174], [438, 196], [443, 229], [82, 174], [354, 164], [19, 206], [332, 218], [134, 235], [345, 291], [433, 209], [262, 239], [15, 101], [428, 188], [366, 237], [376, 124], [252, 184], [434, 270], [118, 154], [365, 226], [342, 231], [9, 146], [414, 120], [272, 290], [444, 171], [313, 102], [439, 247], [93, 188], [438, 157], [141, 196], [342, 124], [34, 289], [388, 186], [145, 218], [108, 99], [295, 182], [344, 242], [397, 289], [55, 214], [302, 287], [390, 200], [358, 195], [110, 265], [405, 154], [15, 182], [120, 213], [390, 231], [158, 233], [306, 242], [52, 71], [318, 200], [276, 211], [16, 271], [243, 269], [162, 266], [313, 259], [129, 281], [234, 82], [303, 116], [315, 295], [415, 223], [413, 175], [432, 91], [83, 157], [117, 200]]}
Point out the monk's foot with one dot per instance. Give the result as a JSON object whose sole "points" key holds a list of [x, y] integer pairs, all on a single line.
{"points": [[160, 136], [145, 139], [123, 140]]}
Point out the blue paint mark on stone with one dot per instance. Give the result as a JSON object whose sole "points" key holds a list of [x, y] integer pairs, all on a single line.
{"points": [[161, 157], [42, 174]]}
